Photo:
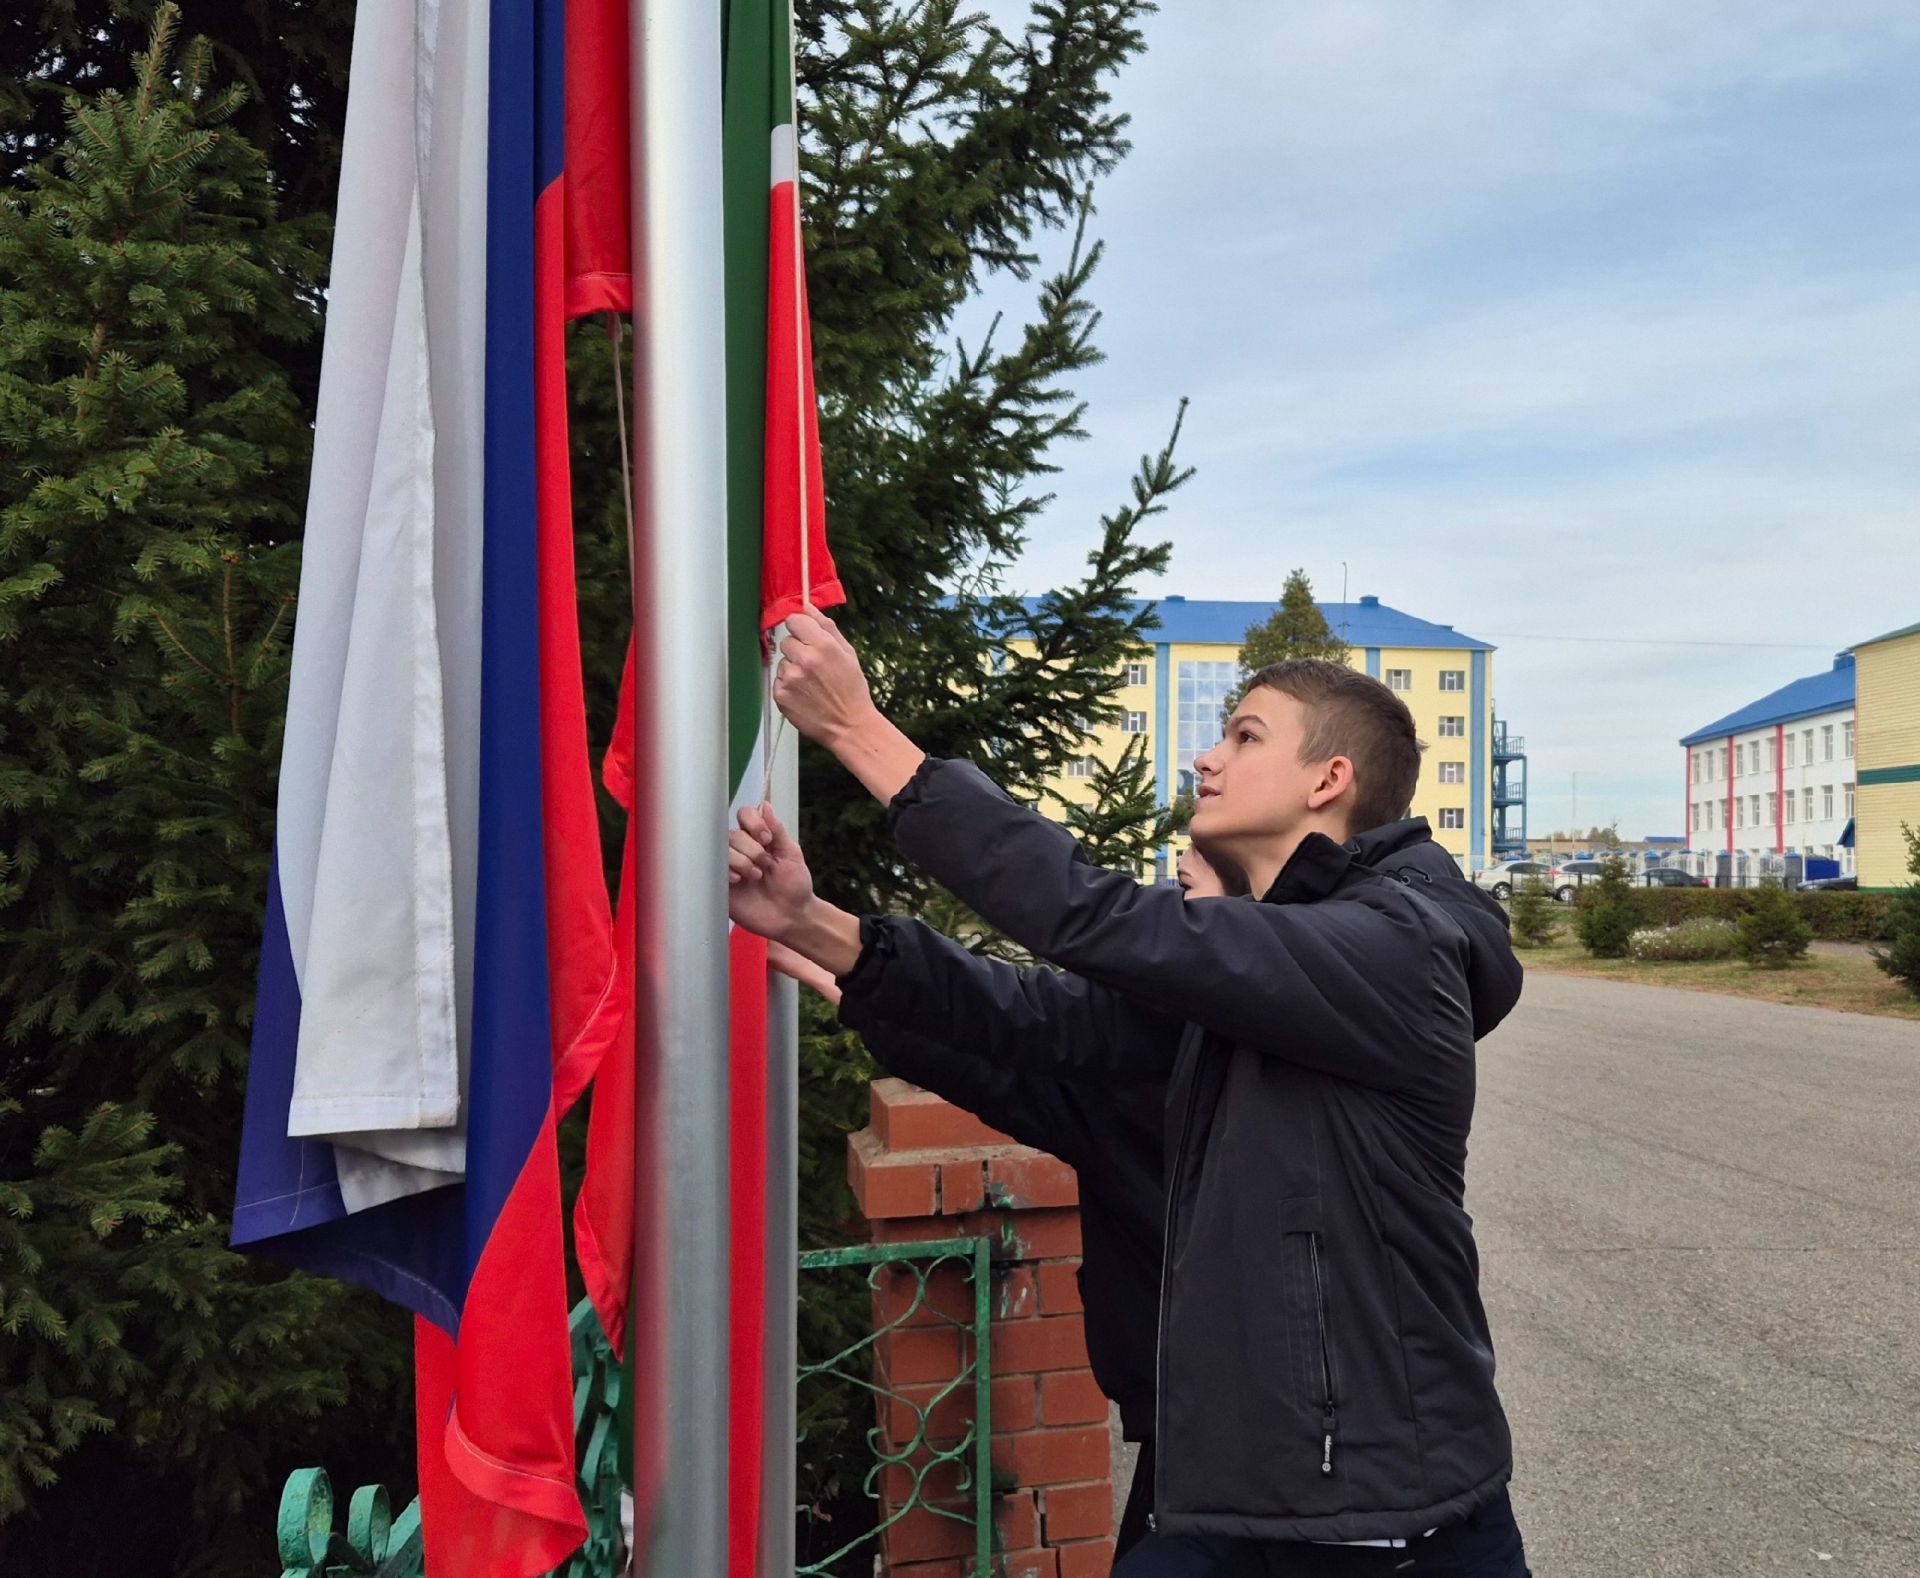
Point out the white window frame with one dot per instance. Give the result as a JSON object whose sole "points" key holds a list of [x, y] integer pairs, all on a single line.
{"points": [[1400, 679], [1453, 728], [1846, 739], [1453, 772], [1809, 804], [1453, 818], [1790, 804], [1080, 767], [1696, 816], [1453, 679], [1753, 809], [1826, 742], [1136, 673], [1790, 739], [1739, 810], [1773, 753], [1847, 791], [1133, 722], [1773, 807], [1826, 802]]}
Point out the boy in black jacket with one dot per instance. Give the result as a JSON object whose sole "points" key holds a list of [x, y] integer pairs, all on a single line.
{"points": [[1109, 1133], [1325, 1373]]}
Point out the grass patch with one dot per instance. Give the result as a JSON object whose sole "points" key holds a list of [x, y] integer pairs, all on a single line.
{"points": [[1846, 980]]}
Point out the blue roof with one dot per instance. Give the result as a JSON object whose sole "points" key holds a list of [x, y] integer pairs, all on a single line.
{"points": [[1367, 623], [1804, 698]]}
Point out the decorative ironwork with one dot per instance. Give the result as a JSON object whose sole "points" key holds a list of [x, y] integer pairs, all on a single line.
{"points": [[924, 1455]]}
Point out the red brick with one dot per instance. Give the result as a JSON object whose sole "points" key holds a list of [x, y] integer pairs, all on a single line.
{"points": [[918, 1353], [1032, 1235], [1016, 1403], [897, 1297], [1072, 1398], [1018, 1564], [963, 1186], [1078, 1512], [923, 1536], [909, 1229], [1059, 1287], [890, 1186], [908, 1118], [1056, 1457], [1015, 1295], [952, 1568], [1016, 1521], [940, 1484], [1023, 1346], [1088, 1559], [1023, 1180]]}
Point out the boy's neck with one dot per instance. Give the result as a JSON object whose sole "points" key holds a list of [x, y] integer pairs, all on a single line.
{"points": [[1262, 866]]}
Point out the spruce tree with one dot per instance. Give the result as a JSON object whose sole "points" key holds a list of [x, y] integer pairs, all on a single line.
{"points": [[1608, 914], [1773, 933], [1122, 826], [152, 460], [1900, 958], [1296, 629]]}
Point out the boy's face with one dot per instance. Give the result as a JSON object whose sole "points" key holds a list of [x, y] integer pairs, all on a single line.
{"points": [[1254, 789], [1197, 879]]}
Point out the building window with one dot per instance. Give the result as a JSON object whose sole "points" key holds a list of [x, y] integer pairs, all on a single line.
{"points": [[1739, 810], [1773, 753], [1826, 742], [1791, 797], [1202, 693], [1134, 722], [1696, 816], [1080, 767], [1847, 794], [1453, 772], [1790, 739], [1399, 679], [1453, 816], [1453, 728], [1809, 807], [1136, 673], [1773, 808], [1846, 739], [1754, 811], [1806, 746], [1453, 679], [1826, 801]]}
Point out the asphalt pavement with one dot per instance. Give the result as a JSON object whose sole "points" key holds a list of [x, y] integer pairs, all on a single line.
{"points": [[1699, 1221]]}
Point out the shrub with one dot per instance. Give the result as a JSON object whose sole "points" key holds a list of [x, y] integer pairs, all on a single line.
{"points": [[1608, 917], [1834, 917], [1533, 924], [1901, 957], [1772, 932], [1691, 941]]}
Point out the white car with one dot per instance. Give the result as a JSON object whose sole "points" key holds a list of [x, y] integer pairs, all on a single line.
{"points": [[1502, 879]]}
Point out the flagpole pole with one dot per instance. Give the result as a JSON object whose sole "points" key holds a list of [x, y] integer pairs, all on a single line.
{"points": [[681, 1223], [780, 1424]]}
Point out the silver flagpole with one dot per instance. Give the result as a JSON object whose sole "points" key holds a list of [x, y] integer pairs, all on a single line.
{"points": [[680, 584], [783, 1220]]}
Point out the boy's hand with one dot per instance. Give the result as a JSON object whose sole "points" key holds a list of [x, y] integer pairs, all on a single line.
{"points": [[820, 686], [768, 884], [798, 967]]}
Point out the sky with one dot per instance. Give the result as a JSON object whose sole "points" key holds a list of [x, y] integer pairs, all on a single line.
{"points": [[1590, 327]]}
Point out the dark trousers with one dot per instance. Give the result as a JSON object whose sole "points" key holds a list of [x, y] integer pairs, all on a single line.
{"points": [[1139, 1507], [1487, 1545]]}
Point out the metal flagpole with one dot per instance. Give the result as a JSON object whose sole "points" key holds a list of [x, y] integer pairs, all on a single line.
{"points": [[681, 1222], [783, 1223]]}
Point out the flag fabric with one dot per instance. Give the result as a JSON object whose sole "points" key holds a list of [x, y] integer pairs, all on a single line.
{"points": [[438, 979], [778, 562]]}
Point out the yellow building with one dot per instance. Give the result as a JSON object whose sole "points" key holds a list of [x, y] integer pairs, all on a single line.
{"points": [[1887, 704], [1175, 694]]}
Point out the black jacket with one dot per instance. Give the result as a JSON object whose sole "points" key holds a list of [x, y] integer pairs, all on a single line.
{"points": [[1325, 1368], [1109, 1133]]}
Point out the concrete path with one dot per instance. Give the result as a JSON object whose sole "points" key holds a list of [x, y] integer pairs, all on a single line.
{"points": [[1699, 1220]]}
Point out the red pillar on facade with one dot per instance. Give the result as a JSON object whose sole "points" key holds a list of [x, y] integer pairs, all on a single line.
{"points": [[924, 1170]]}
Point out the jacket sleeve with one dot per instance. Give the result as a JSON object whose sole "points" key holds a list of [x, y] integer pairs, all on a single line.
{"points": [[1068, 1028], [1344, 987], [1035, 1108]]}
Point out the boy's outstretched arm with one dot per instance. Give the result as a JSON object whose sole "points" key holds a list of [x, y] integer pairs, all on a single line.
{"points": [[899, 970], [1345, 990]]}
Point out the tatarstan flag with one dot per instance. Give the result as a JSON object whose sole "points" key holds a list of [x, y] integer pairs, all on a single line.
{"points": [[778, 563]]}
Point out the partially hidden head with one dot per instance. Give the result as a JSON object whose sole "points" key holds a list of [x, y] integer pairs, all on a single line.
{"points": [[1312, 747], [1199, 880]]}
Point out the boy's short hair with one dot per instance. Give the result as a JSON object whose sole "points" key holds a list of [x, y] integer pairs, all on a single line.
{"points": [[1353, 715]]}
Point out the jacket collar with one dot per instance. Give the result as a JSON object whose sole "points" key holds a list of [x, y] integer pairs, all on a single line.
{"points": [[1320, 865]]}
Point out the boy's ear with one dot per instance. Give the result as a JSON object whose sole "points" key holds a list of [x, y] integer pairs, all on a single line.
{"points": [[1335, 780]]}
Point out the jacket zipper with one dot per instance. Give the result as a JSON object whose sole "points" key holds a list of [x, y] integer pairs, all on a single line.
{"points": [[1327, 1419], [1160, 1330]]}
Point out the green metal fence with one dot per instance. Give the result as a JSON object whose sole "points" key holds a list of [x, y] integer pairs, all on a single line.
{"points": [[922, 1456], [375, 1544]]}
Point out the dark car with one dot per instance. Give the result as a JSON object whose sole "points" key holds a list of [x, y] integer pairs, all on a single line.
{"points": [[1831, 885], [1663, 877]]}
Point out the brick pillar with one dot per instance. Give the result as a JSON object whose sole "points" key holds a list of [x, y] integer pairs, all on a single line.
{"points": [[923, 1169]]}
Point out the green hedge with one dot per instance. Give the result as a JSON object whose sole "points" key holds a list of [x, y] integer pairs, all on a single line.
{"points": [[1835, 917]]}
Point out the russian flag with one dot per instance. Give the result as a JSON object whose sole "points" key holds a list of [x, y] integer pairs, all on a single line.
{"points": [[439, 980]]}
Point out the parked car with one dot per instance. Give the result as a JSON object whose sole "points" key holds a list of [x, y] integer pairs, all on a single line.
{"points": [[1831, 885], [1568, 876], [1502, 879], [1667, 877]]}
